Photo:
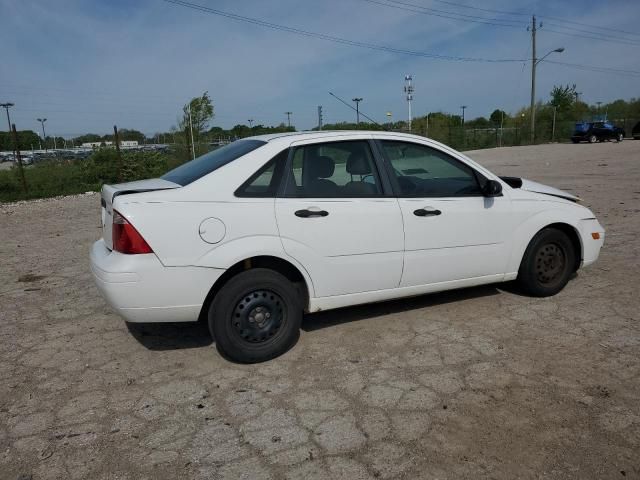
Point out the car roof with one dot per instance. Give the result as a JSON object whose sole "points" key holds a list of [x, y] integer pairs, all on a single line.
{"points": [[315, 134]]}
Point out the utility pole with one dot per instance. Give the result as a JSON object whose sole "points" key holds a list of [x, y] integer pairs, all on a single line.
{"points": [[7, 106], [44, 135], [18, 158], [319, 117], [408, 90], [553, 125], [288, 114], [464, 137], [534, 62], [119, 155], [193, 146], [357, 100]]}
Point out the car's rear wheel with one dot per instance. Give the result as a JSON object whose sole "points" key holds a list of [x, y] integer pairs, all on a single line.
{"points": [[575, 140], [256, 316], [593, 139], [547, 264]]}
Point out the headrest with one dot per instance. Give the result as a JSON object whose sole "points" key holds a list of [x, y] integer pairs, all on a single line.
{"points": [[357, 164], [320, 167]]}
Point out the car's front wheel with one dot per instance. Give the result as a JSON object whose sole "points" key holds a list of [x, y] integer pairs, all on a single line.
{"points": [[593, 139], [619, 137], [256, 316], [547, 264]]}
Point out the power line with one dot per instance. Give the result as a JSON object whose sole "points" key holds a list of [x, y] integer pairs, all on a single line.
{"points": [[593, 37], [331, 38], [543, 17], [607, 35], [503, 12], [410, 7], [594, 68], [617, 30]]}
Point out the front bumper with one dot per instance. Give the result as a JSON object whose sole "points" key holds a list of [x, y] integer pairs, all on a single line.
{"points": [[141, 289], [590, 246]]}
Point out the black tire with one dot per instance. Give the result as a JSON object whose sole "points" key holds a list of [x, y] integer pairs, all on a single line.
{"points": [[547, 264], [575, 140], [593, 139], [256, 316], [619, 137]]}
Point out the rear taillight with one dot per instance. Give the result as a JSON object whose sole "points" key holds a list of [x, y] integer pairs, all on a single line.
{"points": [[126, 238]]}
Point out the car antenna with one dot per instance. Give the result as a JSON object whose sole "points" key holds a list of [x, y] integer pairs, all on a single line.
{"points": [[360, 111]]}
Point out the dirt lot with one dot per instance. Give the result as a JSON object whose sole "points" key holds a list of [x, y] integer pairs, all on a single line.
{"points": [[480, 383]]}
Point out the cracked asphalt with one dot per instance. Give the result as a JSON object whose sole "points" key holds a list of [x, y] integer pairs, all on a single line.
{"points": [[478, 383]]}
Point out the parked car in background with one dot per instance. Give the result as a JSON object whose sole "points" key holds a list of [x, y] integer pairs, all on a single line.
{"points": [[593, 132], [636, 131], [250, 236]]}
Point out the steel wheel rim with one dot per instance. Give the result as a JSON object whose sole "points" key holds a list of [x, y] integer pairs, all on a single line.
{"points": [[258, 316], [550, 263]]}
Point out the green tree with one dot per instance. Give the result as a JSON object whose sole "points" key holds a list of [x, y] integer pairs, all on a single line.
{"points": [[196, 114], [131, 134], [563, 97], [498, 116]]}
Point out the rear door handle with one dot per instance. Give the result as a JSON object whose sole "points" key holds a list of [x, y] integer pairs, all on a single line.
{"points": [[423, 212], [311, 213]]}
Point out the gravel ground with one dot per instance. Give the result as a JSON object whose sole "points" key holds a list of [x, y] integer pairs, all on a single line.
{"points": [[479, 383]]}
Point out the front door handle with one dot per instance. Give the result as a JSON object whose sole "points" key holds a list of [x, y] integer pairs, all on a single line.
{"points": [[422, 212], [311, 213]]}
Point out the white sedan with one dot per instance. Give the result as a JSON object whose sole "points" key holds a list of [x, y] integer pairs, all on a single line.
{"points": [[253, 234]]}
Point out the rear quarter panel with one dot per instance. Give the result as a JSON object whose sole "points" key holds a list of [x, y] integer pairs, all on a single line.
{"points": [[169, 220]]}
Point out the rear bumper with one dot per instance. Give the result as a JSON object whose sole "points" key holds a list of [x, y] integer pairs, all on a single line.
{"points": [[141, 289]]}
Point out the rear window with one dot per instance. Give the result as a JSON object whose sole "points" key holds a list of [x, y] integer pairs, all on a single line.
{"points": [[207, 163]]}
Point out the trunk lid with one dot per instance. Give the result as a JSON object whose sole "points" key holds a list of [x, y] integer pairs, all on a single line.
{"points": [[109, 192]]}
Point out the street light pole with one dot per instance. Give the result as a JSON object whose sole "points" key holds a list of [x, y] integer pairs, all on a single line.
{"points": [[463, 107], [250, 122], [357, 100], [193, 146], [288, 114], [44, 135]]}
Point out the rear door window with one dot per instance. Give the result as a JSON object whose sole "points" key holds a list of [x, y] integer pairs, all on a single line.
{"points": [[333, 170], [265, 182]]}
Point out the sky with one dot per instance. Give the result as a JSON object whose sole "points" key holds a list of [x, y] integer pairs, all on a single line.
{"points": [[86, 65]]}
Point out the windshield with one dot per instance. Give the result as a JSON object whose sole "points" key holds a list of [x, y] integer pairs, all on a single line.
{"points": [[207, 163]]}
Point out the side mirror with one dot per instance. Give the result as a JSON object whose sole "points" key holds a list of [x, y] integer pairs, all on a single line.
{"points": [[492, 188]]}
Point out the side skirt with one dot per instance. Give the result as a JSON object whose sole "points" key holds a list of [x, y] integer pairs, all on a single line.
{"points": [[338, 301]]}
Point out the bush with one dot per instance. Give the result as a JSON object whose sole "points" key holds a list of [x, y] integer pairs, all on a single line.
{"points": [[67, 177]]}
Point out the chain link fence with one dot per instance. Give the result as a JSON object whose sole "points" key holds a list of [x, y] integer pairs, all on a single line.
{"points": [[513, 134]]}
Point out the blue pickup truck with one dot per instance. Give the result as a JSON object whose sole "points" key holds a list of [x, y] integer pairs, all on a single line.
{"points": [[593, 132]]}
